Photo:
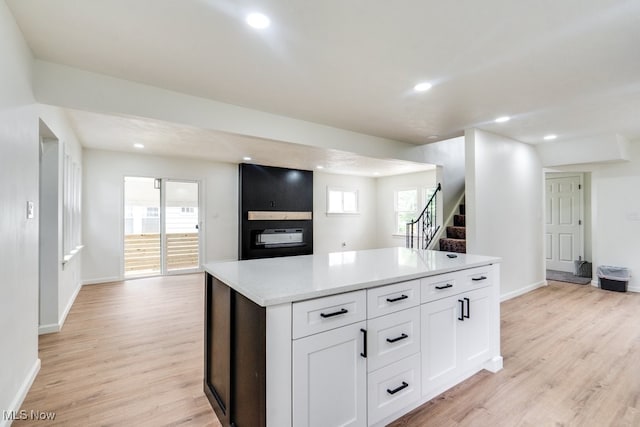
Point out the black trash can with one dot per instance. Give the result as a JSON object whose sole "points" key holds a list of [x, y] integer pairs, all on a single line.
{"points": [[613, 278]]}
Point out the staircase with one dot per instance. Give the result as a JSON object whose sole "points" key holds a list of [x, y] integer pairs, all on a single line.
{"points": [[456, 234]]}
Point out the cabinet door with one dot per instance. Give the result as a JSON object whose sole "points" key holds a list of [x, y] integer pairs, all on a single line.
{"points": [[329, 378], [439, 330], [474, 332]]}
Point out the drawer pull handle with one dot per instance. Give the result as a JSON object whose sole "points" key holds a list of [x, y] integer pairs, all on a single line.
{"points": [[401, 337], [477, 279], [400, 298], [447, 286], [364, 353], [399, 388], [335, 313]]}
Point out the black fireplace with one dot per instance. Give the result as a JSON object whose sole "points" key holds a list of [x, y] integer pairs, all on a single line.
{"points": [[276, 212]]}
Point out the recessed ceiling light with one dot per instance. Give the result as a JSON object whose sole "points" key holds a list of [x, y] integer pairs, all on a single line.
{"points": [[503, 119], [258, 20], [550, 137], [376, 173], [137, 145], [319, 167], [422, 87], [246, 159]]}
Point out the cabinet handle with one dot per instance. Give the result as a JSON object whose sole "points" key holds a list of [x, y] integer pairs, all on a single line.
{"points": [[400, 298], [468, 308], [477, 279], [335, 313], [395, 390], [401, 337], [364, 353], [461, 310], [447, 286]]}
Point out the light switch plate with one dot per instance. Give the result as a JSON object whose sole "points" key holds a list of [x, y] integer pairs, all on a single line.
{"points": [[30, 210]]}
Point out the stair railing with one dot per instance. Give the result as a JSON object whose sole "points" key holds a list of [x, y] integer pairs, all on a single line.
{"points": [[425, 227]]}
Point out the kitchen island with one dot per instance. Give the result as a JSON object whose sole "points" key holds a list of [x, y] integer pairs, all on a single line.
{"points": [[349, 338]]}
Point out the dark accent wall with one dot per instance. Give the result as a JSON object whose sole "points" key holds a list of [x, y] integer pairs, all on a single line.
{"points": [[267, 188]]}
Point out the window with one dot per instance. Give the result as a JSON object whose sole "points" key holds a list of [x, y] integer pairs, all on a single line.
{"points": [[71, 202], [409, 203], [406, 204], [341, 201]]}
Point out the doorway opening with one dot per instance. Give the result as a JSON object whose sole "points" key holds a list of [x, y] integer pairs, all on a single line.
{"points": [[161, 226], [567, 225]]}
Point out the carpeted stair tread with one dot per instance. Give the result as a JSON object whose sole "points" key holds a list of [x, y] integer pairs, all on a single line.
{"points": [[459, 221], [456, 232], [453, 245]]}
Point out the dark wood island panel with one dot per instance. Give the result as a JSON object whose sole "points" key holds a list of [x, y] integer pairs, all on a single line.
{"points": [[235, 356]]}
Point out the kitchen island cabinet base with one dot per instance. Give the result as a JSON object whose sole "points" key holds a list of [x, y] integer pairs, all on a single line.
{"points": [[280, 353]]}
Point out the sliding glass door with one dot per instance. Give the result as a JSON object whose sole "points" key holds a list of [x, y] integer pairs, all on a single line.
{"points": [[161, 226], [182, 226]]}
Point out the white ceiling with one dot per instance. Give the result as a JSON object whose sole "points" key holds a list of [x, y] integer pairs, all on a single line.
{"points": [[119, 133], [566, 67]]}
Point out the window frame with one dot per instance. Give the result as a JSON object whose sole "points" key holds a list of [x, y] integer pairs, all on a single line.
{"points": [[343, 191], [422, 197]]}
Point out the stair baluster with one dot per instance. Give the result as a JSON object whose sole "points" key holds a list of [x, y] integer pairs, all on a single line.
{"points": [[424, 228]]}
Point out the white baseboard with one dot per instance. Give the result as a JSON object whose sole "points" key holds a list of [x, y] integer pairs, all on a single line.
{"points": [[65, 313], [15, 405], [57, 327], [101, 280], [522, 291], [49, 328]]}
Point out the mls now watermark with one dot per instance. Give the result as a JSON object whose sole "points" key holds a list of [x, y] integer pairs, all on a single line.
{"points": [[31, 415]]}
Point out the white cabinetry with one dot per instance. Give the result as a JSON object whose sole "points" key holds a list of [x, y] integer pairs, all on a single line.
{"points": [[393, 349], [456, 329], [366, 357], [329, 364], [330, 379]]}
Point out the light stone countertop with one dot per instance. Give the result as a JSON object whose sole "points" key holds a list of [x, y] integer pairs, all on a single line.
{"points": [[272, 281]]}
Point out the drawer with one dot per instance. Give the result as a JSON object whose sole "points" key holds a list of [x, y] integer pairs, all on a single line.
{"points": [[321, 314], [391, 298], [392, 337], [393, 388], [440, 286], [477, 277]]}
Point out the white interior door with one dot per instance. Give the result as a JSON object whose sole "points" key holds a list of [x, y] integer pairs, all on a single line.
{"points": [[563, 211]]}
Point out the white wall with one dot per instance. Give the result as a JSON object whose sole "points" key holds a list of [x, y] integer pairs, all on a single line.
{"points": [[103, 211], [19, 361], [504, 208], [450, 154], [616, 215], [61, 290], [330, 231], [386, 187]]}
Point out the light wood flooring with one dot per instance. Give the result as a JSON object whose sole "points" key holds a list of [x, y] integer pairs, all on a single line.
{"points": [[571, 358], [130, 354]]}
